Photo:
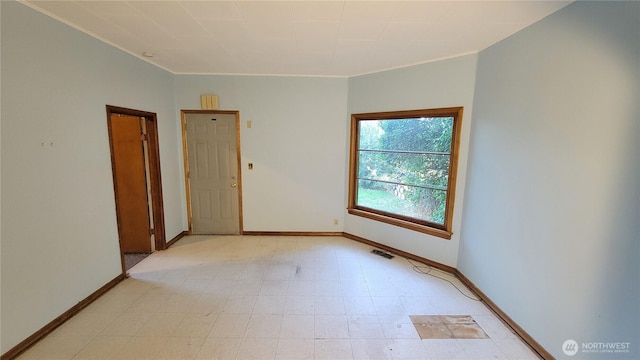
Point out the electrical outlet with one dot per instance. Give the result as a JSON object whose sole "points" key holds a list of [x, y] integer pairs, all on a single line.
{"points": [[335, 222]]}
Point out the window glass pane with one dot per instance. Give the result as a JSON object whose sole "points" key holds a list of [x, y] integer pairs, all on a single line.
{"points": [[410, 201], [419, 134], [431, 170], [402, 171]]}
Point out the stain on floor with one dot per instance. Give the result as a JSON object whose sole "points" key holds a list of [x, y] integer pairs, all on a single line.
{"points": [[447, 327], [131, 259]]}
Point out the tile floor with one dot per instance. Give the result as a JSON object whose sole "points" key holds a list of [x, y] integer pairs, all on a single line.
{"points": [[268, 297], [447, 327], [131, 259]]}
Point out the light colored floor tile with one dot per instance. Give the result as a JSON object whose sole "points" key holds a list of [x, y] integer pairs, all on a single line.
{"points": [[269, 305], [220, 287], [304, 269], [295, 349], [481, 349], [364, 330], [126, 324], [166, 286], [209, 304], [359, 305], [161, 324], [238, 304], [331, 327], [364, 319], [113, 303], [86, 324], [219, 348], [416, 305], [445, 349], [278, 272], [446, 305], [253, 271], [394, 319], [274, 288], [230, 271], [328, 288], [132, 286], [333, 349], [299, 305], [494, 327], [264, 326], [141, 348], [407, 349], [474, 307], [150, 302], [419, 288], [179, 303], [356, 288], [388, 305], [328, 272], [400, 331], [294, 297], [329, 305], [196, 325], [374, 349], [59, 347], [383, 287], [514, 348], [203, 271], [102, 348], [245, 287], [195, 286], [297, 327], [181, 348], [349, 268], [230, 326], [301, 288], [257, 349]]}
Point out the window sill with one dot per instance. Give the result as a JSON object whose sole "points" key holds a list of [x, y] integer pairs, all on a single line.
{"points": [[402, 223]]}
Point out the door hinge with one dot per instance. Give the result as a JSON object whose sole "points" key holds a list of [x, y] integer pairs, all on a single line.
{"points": [[144, 137], [151, 232]]}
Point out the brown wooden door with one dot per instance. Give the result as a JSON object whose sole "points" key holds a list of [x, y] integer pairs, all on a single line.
{"points": [[132, 204]]}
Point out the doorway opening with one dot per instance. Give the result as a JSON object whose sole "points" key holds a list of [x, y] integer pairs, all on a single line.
{"points": [[213, 179], [135, 163]]}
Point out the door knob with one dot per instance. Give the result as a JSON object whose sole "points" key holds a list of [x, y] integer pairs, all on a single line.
{"points": [[234, 185]]}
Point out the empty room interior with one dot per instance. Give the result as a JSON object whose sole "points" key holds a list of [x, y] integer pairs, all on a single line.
{"points": [[530, 251]]}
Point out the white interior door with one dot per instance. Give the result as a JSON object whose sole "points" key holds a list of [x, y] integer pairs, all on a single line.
{"points": [[213, 173]]}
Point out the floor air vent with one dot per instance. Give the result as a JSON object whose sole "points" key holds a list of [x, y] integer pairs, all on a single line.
{"points": [[382, 253]]}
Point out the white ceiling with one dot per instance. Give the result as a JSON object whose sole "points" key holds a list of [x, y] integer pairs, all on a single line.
{"points": [[320, 38]]}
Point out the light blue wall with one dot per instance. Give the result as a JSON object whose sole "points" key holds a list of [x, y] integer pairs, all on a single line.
{"points": [[296, 144], [446, 83], [546, 213], [550, 228], [59, 231]]}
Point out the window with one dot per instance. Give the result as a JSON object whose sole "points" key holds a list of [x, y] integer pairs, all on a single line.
{"points": [[403, 168]]}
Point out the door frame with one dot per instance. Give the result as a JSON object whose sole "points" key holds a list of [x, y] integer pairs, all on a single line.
{"points": [[154, 181], [185, 154]]}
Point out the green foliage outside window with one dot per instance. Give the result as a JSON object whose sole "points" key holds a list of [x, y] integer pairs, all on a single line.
{"points": [[403, 167]]}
